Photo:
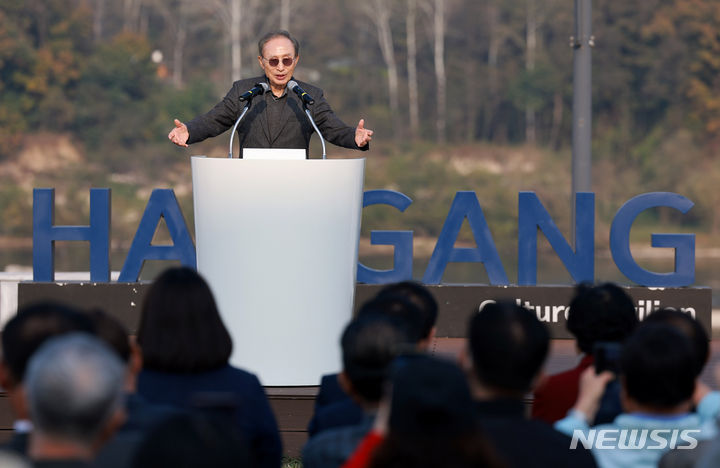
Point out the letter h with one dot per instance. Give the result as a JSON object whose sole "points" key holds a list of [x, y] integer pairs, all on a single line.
{"points": [[45, 233]]}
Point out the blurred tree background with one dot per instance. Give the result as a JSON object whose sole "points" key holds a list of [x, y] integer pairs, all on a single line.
{"points": [[462, 95]]}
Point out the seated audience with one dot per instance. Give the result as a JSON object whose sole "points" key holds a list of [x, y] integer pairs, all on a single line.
{"points": [[186, 348], [75, 395], [603, 313], [658, 372], [22, 335], [369, 343], [407, 301], [507, 347], [426, 421], [142, 416]]}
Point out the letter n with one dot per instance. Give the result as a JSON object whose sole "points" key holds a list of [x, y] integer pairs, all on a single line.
{"points": [[162, 204], [45, 233], [465, 206], [532, 216]]}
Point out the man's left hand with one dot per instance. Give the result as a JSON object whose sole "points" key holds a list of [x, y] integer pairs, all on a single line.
{"points": [[362, 134]]}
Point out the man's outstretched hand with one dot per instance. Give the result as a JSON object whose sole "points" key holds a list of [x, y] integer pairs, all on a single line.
{"points": [[179, 135], [362, 134]]}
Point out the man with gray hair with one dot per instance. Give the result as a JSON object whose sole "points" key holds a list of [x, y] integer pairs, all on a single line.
{"points": [[75, 397]]}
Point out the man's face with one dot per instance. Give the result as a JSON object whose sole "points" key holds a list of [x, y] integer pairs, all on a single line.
{"points": [[278, 49]]}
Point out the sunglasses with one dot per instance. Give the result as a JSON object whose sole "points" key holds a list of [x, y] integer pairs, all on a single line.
{"points": [[274, 62]]}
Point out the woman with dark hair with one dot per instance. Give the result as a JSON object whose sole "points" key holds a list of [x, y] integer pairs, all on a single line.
{"points": [[427, 419], [598, 314], [186, 348]]}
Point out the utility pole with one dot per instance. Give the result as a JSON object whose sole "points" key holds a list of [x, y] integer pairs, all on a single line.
{"points": [[582, 43]]}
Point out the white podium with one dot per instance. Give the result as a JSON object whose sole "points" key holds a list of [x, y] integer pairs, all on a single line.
{"points": [[277, 242]]}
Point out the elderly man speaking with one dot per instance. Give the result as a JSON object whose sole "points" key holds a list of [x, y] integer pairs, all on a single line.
{"points": [[275, 119]]}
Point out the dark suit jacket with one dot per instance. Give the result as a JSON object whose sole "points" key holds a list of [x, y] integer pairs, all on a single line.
{"points": [[251, 412], [333, 407], [523, 442], [253, 131]]}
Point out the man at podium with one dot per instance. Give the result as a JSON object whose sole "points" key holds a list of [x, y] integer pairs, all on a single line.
{"points": [[275, 119]]}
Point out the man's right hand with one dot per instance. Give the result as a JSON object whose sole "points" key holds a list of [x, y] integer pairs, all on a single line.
{"points": [[179, 135]]}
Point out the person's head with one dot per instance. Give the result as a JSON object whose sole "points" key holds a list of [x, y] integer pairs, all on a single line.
{"points": [[114, 334], [75, 392], [279, 53], [429, 397], [689, 327], [369, 344], [178, 310], [420, 296], [432, 421], [508, 346], [400, 310], [29, 329], [657, 367], [600, 313]]}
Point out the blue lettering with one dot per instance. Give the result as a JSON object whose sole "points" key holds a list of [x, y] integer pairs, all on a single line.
{"points": [[401, 240], [532, 216], [162, 204], [45, 233], [684, 244], [465, 205]]}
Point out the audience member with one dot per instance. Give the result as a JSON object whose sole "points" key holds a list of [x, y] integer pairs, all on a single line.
{"points": [[188, 440], [186, 347], [603, 313], [142, 416], [431, 421], [22, 335], [694, 331], [369, 343], [507, 348], [74, 389], [658, 371], [412, 305]]}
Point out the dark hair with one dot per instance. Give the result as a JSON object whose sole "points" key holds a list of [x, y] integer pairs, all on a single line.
{"points": [[430, 397], [178, 310], [508, 345], [402, 311], [369, 344], [657, 364], [278, 33], [32, 326], [420, 296], [111, 332], [600, 313], [689, 327]]}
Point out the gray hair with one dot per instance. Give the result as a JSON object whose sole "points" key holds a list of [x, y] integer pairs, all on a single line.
{"points": [[74, 385], [278, 33]]}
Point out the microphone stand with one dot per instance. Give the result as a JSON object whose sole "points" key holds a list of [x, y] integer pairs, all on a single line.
{"points": [[237, 122], [312, 122]]}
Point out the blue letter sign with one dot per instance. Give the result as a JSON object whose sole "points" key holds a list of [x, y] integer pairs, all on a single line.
{"points": [[465, 205], [402, 240], [162, 204], [533, 216], [45, 233], [684, 244]]}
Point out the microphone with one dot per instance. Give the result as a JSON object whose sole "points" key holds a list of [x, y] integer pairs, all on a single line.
{"points": [[257, 90], [304, 97]]}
